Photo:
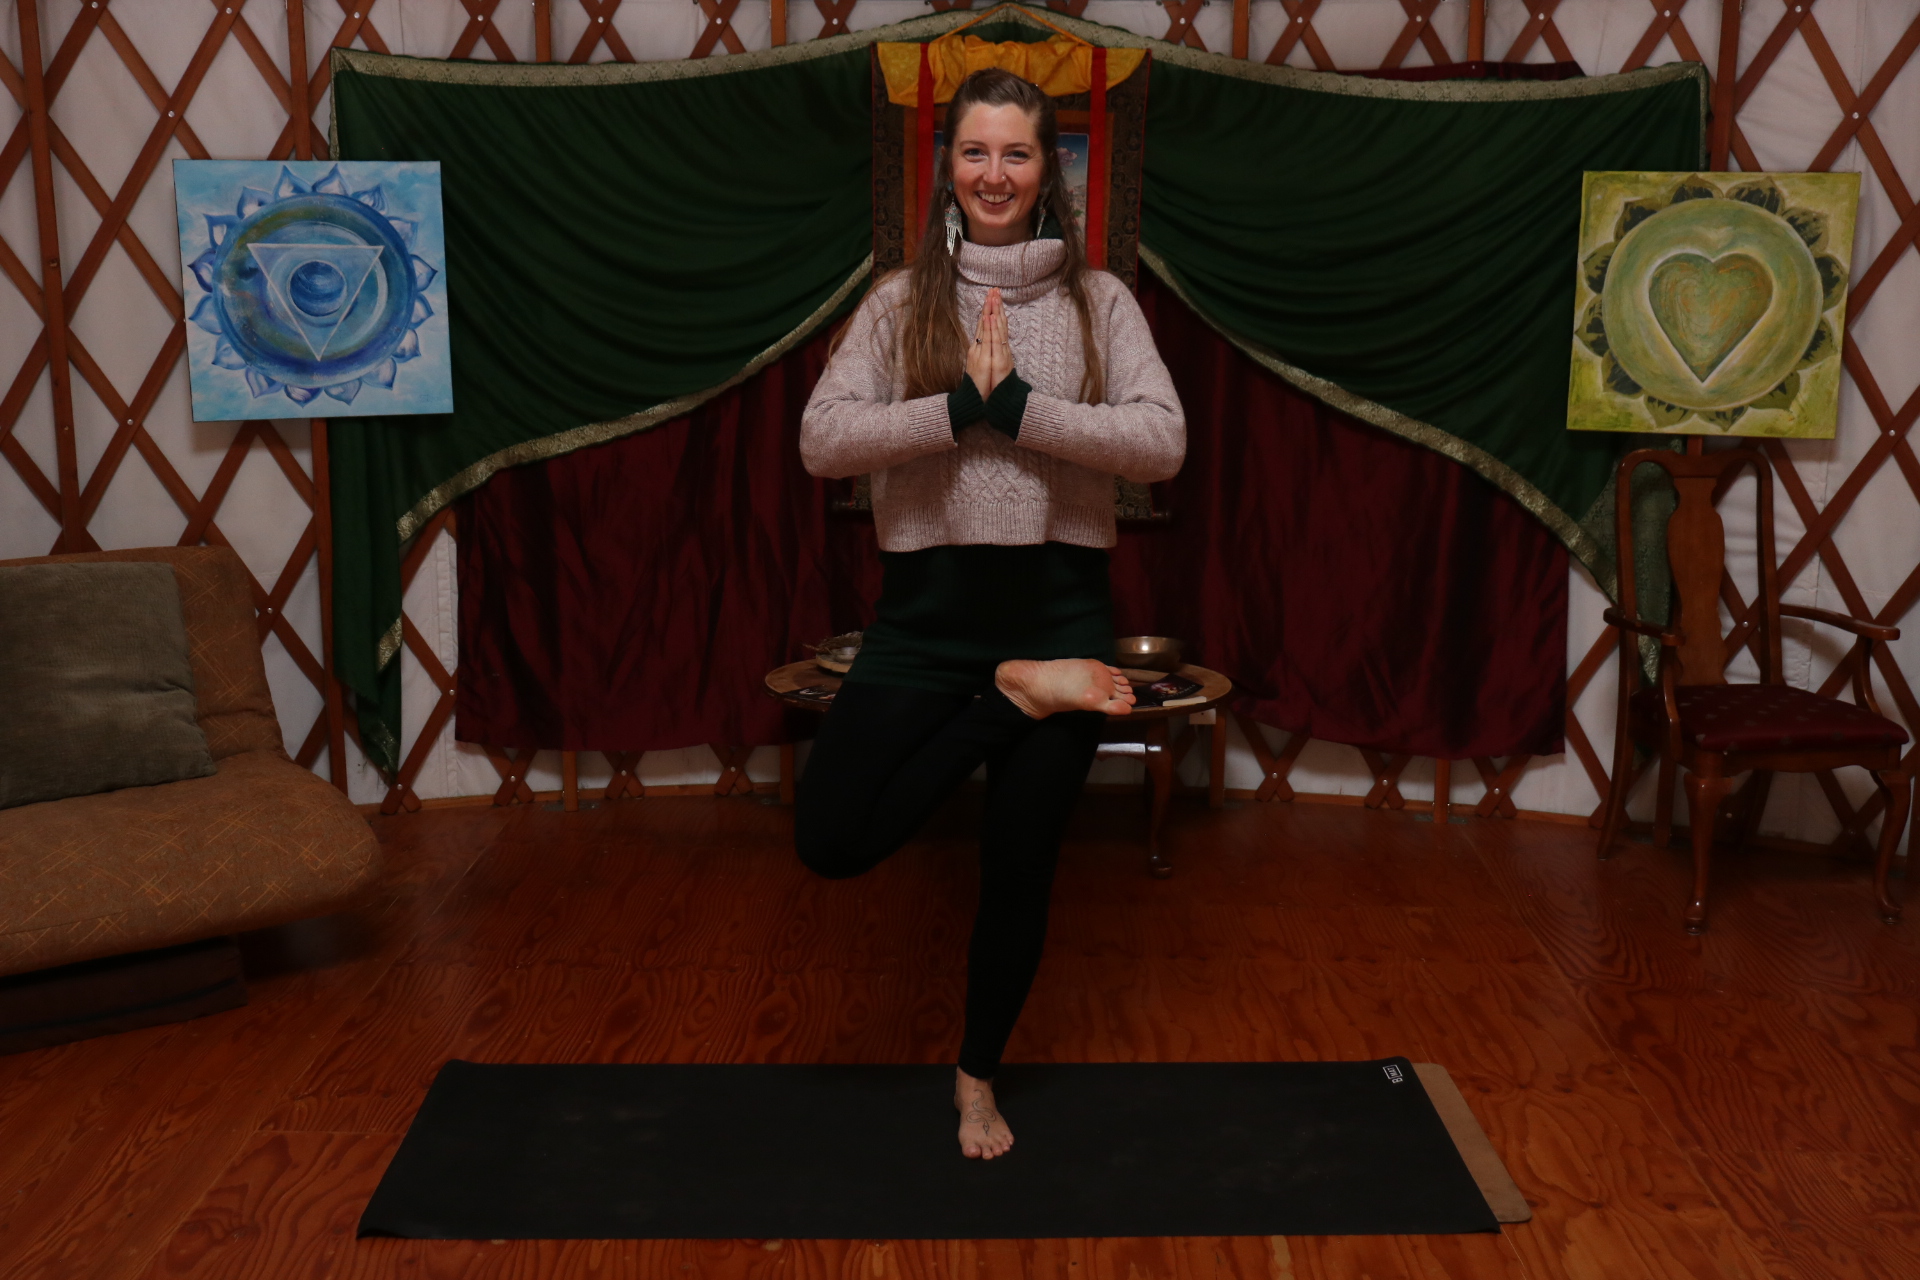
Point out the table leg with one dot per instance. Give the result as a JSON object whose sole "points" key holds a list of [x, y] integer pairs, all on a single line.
{"points": [[1159, 762], [1216, 762]]}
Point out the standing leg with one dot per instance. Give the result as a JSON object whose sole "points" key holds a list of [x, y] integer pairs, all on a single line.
{"points": [[1033, 784]]}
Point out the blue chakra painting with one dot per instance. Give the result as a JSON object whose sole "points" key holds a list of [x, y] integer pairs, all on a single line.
{"points": [[313, 289]]}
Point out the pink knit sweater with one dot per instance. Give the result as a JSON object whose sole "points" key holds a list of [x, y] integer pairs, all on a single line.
{"points": [[1055, 483]]}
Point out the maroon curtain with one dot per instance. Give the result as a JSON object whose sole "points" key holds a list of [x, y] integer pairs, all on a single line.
{"points": [[632, 596], [1354, 586]]}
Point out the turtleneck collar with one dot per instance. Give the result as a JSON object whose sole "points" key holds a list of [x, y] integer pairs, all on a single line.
{"points": [[1022, 272]]}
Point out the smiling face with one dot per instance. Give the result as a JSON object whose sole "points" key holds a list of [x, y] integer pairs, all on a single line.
{"points": [[999, 168]]}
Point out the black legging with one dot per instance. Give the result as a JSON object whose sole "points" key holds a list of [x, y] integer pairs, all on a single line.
{"points": [[887, 757]]}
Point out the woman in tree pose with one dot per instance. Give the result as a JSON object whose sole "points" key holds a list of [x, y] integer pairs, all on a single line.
{"points": [[993, 457]]}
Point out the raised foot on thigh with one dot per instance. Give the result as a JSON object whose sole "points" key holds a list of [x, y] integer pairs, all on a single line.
{"points": [[1066, 684], [983, 1131]]}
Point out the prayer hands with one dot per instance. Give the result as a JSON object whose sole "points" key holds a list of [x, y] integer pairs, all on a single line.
{"points": [[990, 358]]}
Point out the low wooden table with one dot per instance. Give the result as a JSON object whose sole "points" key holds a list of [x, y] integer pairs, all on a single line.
{"points": [[1146, 735]]}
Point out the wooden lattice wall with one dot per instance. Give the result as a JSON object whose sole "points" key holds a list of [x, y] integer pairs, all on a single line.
{"points": [[99, 451]]}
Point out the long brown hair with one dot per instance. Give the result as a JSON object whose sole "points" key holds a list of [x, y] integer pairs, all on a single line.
{"points": [[933, 346]]}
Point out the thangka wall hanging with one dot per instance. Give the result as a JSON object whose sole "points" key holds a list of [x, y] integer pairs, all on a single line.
{"points": [[313, 289], [1712, 303], [1100, 95]]}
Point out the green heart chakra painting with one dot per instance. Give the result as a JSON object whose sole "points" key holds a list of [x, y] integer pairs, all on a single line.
{"points": [[1711, 303]]}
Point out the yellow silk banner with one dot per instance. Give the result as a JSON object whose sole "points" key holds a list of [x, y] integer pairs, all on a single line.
{"points": [[1059, 65]]}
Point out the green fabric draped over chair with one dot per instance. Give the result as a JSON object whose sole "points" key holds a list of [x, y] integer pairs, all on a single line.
{"points": [[626, 240]]}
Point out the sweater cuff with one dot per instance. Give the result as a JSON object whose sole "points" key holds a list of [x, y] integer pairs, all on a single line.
{"points": [[964, 406], [1043, 425], [1008, 405], [928, 428]]}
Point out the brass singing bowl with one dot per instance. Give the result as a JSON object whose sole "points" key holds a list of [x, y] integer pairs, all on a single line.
{"points": [[1147, 653]]}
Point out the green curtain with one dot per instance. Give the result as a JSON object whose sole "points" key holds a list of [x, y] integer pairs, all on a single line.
{"points": [[619, 247], [1406, 251], [626, 240]]}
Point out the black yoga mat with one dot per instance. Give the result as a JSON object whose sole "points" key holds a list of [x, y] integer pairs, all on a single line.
{"points": [[868, 1152]]}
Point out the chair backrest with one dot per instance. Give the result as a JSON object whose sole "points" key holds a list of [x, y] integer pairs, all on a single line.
{"points": [[1697, 555], [231, 698]]}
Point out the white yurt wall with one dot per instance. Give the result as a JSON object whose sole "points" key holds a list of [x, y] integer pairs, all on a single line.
{"points": [[136, 84]]}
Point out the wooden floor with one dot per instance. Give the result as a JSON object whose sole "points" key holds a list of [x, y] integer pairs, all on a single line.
{"points": [[1742, 1105]]}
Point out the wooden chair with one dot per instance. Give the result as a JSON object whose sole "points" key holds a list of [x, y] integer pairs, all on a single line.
{"points": [[1715, 730]]}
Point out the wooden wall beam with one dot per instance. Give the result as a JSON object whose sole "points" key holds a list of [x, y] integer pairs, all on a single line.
{"points": [[834, 15], [1476, 35], [777, 22], [1242, 22], [299, 104], [718, 30], [1180, 16], [53, 303], [333, 708], [1726, 79]]}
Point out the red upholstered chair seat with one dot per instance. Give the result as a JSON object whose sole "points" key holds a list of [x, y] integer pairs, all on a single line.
{"points": [[1768, 717]]}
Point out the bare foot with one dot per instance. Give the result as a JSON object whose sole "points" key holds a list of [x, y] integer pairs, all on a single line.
{"points": [[983, 1132], [1067, 684]]}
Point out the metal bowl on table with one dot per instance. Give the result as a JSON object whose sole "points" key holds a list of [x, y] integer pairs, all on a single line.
{"points": [[836, 653], [1147, 653]]}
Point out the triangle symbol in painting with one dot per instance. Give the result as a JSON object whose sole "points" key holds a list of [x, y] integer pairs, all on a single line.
{"points": [[314, 286]]}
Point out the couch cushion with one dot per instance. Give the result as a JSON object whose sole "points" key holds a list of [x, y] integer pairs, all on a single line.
{"points": [[1769, 717], [223, 640], [260, 843], [99, 686]]}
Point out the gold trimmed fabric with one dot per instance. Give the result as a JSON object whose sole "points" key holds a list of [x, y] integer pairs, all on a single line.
{"points": [[390, 641], [1355, 86], [554, 75], [1578, 539], [553, 446], [934, 27], [600, 432]]}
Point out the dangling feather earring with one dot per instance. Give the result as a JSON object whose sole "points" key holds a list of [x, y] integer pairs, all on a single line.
{"points": [[953, 221], [1039, 217]]}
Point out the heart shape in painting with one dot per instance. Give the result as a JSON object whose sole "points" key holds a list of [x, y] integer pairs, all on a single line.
{"points": [[1706, 307]]}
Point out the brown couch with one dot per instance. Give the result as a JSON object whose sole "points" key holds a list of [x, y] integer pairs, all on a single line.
{"points": [[261, 842]]}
